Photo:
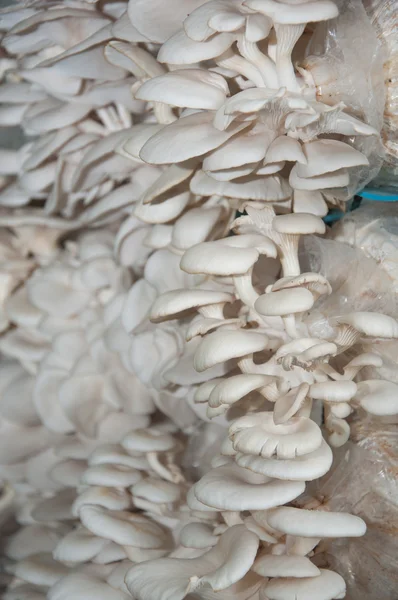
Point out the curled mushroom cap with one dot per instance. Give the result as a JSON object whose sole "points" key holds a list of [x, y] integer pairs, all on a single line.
{"points": [[378, 397], [270, 565], [301, 468], [333, 391], [221, 346], [257, 434], [315, 282], [315, 523], [172, 579], [175, 303], [326, 586], [230, 487], [371, 324], [122, 527], [107, 497], [79, 545], [285, 302]]}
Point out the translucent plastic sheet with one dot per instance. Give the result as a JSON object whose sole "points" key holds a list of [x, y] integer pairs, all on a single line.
{"points": [[364, 482], [358, 283], [350, 57]]}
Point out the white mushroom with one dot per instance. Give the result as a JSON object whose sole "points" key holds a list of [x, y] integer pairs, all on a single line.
{"points": [[286, 304], [378, 397], [315, 523]]}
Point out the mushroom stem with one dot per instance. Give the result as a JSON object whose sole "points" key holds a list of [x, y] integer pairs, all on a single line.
{"points": [[245, 289], [287, 36], [289, 258], [232, 518], [264, 64], [163, 113], [290, 325], [157, 466], [232, 61]]}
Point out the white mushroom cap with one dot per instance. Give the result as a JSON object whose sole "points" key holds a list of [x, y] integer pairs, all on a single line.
{"points": [[378, 397], [203, 392], [333, 391], [270, 565], [315, 523], [79, 545], [327, 586], [371, 324], [324, 156], [220, 346], [122, 527], [107, 497], [173, 578], [114, 454], [110, 476], [232, 488], [284, 302], [176, 302], [257, 434], [234, 388], [148, 440], [298, 223], [301, 468], [307, 12], [156, 490], [40, 569], [84, 586], [215, 259], [198, 535]]}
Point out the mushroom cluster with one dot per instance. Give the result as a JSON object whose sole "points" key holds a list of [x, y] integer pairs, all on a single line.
{"points": [[172, 385]]}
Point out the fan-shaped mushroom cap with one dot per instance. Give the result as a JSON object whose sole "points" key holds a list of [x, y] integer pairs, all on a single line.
{"points": [[333, 391], [84, 586], [110, 476], [324, 156], [68, 472], [298, 223], [40, 569], [315, 523], [186, 88], [175, 302], [285, 148], [172, 578], [198, 535], [107, 497], [301, 468], [295, 14], [232, 488], [114, 454], [215, 259], [270, 565], [233, 255], [156, 490], [148, 440], [203, 392], [371, 324], [284, 302], [79, 545], [234, 388], [122, 527], [257, 434], [220, 346], [326, 586], [378, 397]]}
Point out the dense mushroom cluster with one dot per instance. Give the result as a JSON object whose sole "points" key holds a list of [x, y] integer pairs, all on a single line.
{"points": [[172, 381]]}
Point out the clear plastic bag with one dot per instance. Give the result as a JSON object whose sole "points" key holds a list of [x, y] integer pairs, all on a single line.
{"points": [[347, 57]]}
